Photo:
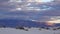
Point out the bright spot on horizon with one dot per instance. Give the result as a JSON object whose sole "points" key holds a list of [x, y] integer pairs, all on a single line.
{"points": [[50, 24], [54, 21]]}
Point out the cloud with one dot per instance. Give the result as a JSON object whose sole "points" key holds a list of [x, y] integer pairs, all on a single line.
{"points": [[11, 6], [7, 10], [52, 13]]}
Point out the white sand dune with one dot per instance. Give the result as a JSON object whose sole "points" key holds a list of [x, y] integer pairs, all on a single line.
{"points": [[31, 31]]}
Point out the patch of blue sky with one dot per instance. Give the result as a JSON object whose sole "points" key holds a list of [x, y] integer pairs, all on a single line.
{"points": [[46, 0]]}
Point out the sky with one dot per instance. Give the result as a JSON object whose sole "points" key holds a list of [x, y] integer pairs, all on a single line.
{"points": [[40, 11], [44, 10]]}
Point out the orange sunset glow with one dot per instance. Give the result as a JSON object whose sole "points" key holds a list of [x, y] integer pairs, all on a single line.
{"points": [[53, 21]]}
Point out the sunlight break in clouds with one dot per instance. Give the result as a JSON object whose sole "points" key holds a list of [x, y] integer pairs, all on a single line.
{"points": [[44, 0], [32, 0], [25, 5], [53, 20]]}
